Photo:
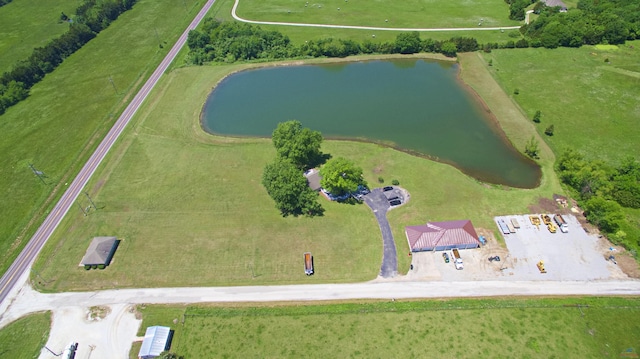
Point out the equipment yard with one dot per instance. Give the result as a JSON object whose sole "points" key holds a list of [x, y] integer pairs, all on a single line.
{"points": [[572, 256]]}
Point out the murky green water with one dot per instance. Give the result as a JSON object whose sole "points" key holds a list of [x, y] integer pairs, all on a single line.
{"points": [[414, 105]]}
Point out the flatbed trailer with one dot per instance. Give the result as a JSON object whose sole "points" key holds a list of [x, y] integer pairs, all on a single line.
{"points": [[503, 227]]}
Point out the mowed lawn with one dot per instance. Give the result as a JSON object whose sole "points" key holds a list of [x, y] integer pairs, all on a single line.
{"points": [[488, 328], [222, 10], [71, 109], [191, 211], [27, 24], [381, 13], [25, 338]]}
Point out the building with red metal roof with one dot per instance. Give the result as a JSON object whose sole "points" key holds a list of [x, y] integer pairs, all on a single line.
{"points": [[440, 236]]}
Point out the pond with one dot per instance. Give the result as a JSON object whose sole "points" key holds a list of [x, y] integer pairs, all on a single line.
{"points": [[413, 105]]}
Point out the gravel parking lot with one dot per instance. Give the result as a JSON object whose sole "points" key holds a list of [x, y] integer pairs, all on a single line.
{"points": [[575, 255]]}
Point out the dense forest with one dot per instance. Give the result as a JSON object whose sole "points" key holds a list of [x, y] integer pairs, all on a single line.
{"points": [[4, 2], [91, 17]]}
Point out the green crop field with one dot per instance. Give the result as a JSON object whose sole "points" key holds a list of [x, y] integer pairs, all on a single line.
{"points": [[488, 328], [58, 126], [26, 24], [500, 11], [191, 211], [24, 338]]}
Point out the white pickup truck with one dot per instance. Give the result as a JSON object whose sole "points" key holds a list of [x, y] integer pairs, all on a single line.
{"points": [[456, 259]]}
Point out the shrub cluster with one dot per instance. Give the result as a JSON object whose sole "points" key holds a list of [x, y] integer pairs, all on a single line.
{"points": [[603, 190], [593, 22], [92, 16]]}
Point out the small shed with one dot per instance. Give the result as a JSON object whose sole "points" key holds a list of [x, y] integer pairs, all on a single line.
{"points": [[100, 251], [440, 236], [313, 179], [156, 340]]}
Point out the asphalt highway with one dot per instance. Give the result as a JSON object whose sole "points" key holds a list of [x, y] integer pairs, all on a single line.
{"points": [[25, 259]]}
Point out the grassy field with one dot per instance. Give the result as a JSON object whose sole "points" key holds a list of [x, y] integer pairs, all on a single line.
{"points": [[487, 328], [27, 24], [171, 188], [222, 10], [382, 13], [24, 338], [594, 105], [59, 125]]}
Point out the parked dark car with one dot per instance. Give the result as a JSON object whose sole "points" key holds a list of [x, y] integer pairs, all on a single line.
{"points": [[395, 202], [388, 188], [393, 198], [446, 257]]}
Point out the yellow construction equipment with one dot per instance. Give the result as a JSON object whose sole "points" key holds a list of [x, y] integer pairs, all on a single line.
{"points": [[546, 219], [552, 228], [541, 267], [535, 220]]}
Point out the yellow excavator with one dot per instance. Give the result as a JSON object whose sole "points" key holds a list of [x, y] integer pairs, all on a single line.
{"points": [[535, 220]]}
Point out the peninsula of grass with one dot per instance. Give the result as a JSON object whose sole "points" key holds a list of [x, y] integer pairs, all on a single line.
{"points": [[191, 211], [27, 24], [25, 338], [72, 108], [470, 328]]}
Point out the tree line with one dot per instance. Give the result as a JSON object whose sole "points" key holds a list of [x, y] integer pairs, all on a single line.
{"points": [[602, 191], [218, 41], [91, 17], [593, 22], [4, 2]]}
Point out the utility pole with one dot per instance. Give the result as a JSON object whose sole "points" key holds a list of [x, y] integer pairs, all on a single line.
{"points": [[157, 37], [90, 200], [40, 174], [113, 84], [82, 209]]}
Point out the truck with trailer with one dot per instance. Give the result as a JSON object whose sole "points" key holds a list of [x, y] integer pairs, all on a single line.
{"points": [[308, 263], [455, 254], [562, 224]]}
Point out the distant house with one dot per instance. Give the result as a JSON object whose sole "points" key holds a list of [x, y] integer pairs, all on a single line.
{"points": [[440, 236], [554, 3], [156, 340], [313, 179], [100, 251]]}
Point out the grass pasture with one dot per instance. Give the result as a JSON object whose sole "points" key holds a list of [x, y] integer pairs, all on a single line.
{"points": [[24, 338], [71, 109], [191, 211], [27, 24], [593, 104], [484, 328], [382, 13], [222, 10]]}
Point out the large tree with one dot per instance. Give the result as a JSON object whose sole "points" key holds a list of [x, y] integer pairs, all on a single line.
{"points": [[286, 184], [340, 176], [299, 145]]}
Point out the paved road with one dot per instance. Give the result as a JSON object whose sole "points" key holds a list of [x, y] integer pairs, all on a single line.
{"points": [[479, 28], [25, 259], [29, 301], [377, 201]]}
